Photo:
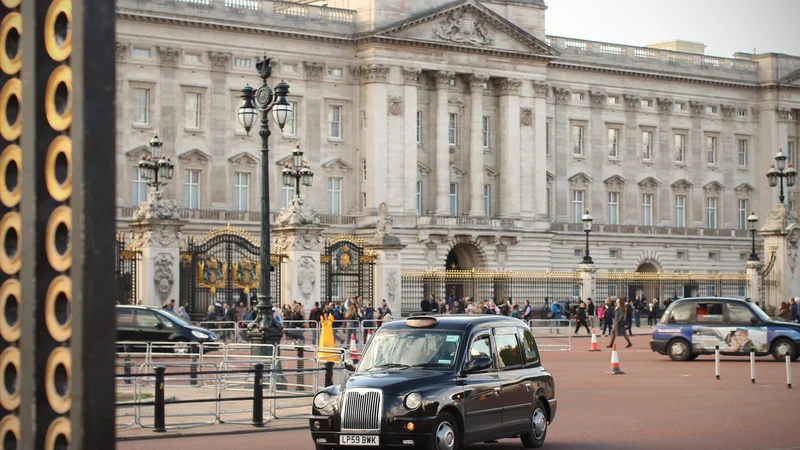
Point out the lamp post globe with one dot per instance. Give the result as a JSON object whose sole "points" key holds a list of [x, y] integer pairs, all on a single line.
{"points": [[752, 219], [587, 220], [247, 113]]}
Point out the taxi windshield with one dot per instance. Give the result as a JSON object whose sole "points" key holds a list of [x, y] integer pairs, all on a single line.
{"points": [[409, 349], [760, 313]]}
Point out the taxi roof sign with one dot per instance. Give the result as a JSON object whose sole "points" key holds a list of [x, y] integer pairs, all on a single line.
{"points": [[422, 322]]}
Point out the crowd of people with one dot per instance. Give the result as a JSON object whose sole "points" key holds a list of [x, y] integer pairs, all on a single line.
{"points": [[790, 312]]}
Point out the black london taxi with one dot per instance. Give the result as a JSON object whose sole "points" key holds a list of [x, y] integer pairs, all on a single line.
{"points": [[440, 382], [696, 326]]}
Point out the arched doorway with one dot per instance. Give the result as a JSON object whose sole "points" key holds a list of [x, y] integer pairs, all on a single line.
{"points": [[462, 257], [647, 267]]}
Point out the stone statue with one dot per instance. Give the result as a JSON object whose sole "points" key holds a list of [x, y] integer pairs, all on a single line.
{"points": [[156, 208], [296, 214], [384, 225], [463, 28]]}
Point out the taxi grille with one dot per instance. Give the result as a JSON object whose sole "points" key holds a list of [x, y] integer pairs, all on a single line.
{"points": [[362, 410]]}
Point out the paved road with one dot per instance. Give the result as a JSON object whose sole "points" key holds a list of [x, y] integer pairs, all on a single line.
{"points": [[657, 404]]}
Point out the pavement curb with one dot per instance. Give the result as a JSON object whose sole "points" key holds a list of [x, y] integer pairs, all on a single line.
{"points": [[187, 433]]}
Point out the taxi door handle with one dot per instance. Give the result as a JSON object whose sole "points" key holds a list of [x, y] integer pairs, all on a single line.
{"points": [[528, 387], [497, 391]]}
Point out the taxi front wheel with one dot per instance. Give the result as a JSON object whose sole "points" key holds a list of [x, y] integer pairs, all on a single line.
{"points": [[445, 435]]}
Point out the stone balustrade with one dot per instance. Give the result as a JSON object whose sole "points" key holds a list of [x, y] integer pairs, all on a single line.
{"points": [[651, 230]]}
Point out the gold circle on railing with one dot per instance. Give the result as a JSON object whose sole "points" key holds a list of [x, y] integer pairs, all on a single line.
{"points": [[12, 89], [9, 64], [11, 154], [11, 4], [52, 28], [61, 284], [11, 222], [59, 357], [10, 332], [61, 145], [59, 427], [10, 360], [59, 121], [59, 261], [10, 424]]}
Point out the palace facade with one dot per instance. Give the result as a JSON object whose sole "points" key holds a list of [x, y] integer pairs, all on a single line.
{"points": [[486, 138]]}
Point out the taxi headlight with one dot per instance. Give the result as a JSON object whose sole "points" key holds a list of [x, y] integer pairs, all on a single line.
{"points": [[323, 401], [413, 401]]}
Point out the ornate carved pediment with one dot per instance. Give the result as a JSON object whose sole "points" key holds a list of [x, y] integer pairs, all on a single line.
{"points": [[490, 173], [313, 70], [194, 156], [681, 185], [137, 153], [744, 189], [714, 186], [632, 101], [335, 163], [467, 24], [423, 169], [244, 158], [219, 60], [562, 94], [697, 107], [649, 184], [597, 98], [550, 177], [580, 178], [457, 171], [615, 182], [286, 160], [456, 101]]}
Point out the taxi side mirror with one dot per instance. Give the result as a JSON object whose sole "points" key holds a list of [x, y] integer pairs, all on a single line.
{"points": [[476, 365], [350, 364], [753, 320]]}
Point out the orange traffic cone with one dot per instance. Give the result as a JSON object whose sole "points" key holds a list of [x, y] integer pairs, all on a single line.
{"points": [[593, 347], [615, 370], [369, 336], [353, 348]]}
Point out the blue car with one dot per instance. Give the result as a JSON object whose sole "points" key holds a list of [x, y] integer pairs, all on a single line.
{"points": [[696, 326]]}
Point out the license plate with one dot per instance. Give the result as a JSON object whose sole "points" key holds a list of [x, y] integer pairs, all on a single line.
{"points": [[350, 439]]}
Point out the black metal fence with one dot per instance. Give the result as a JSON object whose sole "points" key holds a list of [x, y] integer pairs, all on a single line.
{"points": [[127, 260], [669, 286], [539, 288], [347, 270]]}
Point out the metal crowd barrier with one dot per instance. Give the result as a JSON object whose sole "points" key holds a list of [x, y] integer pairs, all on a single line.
{"points": [[553, 334]]}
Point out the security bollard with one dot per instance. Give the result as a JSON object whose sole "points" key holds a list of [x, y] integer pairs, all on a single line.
{"points": [[126, 367], [328, 374], [753, 365], [788, 370], [716, 361], [301, 365], [193, 371], [258, 395], [158, 410]]}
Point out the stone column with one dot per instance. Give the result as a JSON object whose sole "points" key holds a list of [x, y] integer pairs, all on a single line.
{"points": [[540, 152], [302, 246], [442, 149], [476, 145], [587, 273], [509, 89], [562, 153], [753, 271], [781, 234], [170, 102], [411, 77], [156, 230], [219, 94], [388, 263], [374, 78]]}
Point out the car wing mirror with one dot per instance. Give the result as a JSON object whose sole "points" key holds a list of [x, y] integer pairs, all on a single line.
{"points": [[753, 320], [159, 326], [671, 320], [476, 365], [350, 365]]}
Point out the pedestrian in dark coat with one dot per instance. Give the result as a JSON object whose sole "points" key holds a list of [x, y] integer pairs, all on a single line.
{"points": [[580, 318], [620, 323]]}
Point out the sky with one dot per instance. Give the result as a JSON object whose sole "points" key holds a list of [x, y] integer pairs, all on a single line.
{"points": [[725, 26]]}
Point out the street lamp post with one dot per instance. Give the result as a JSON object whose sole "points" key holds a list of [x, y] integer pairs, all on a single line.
{"points": [[776, 176], [153, 171], [587, 228], [264, 329], [752, 219], [296, 171]]}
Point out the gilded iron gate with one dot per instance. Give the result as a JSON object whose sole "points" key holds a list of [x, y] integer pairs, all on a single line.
{"points": [[223, 267], [347, 270], [127, 261]]}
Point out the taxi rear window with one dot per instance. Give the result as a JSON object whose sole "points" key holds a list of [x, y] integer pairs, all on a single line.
{"points": [[709, 313]]}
